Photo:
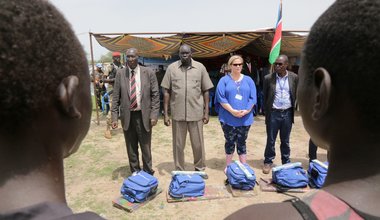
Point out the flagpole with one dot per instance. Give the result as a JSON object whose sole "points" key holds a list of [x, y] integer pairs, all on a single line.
{"points": [[276, 43], [93, 78]]}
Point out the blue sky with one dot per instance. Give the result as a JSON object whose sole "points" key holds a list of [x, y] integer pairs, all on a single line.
{"points": [[152, 16]]}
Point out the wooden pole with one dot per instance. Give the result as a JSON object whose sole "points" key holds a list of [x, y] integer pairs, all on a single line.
{"points": [[93, 79]]}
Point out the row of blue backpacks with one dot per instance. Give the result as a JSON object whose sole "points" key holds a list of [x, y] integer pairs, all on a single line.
{"points": [[140, 185], [292, 175]]}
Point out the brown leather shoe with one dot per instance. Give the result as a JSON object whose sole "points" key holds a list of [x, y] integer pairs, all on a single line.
{"points": [[266, 168], [108, 134]]}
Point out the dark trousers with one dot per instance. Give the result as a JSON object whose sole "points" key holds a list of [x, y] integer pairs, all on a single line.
{"points": [[259, 107], [99, 102], [312, 150], [278, 121], [137, 135], [235, 136]]}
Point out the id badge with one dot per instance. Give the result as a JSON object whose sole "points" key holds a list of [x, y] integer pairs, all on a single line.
{"points": [[238, 97], [282, 101]]}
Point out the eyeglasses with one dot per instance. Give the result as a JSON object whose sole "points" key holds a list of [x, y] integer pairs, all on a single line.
{"points": [[278, 64], [237, 64]]}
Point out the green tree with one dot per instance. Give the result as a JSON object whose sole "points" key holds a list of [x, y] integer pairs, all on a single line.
{"points": [[105, 58]]}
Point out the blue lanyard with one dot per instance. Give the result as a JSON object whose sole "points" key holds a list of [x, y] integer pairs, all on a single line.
{"points": [[238, 83]]}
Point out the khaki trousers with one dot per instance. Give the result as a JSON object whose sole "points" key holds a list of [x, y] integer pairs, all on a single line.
{"points": [[195, 128]]}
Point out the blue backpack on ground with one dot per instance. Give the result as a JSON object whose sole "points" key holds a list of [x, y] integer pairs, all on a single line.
{"points": [[290, 175], [317, 173], [190, 185], [240, 176], [139, 186]]}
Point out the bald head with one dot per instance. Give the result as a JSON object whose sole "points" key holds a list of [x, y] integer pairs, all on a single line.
{"points": [[284, 57], [185, 47], [132, 57], [281, 64], [185, 54], [132, 51]]}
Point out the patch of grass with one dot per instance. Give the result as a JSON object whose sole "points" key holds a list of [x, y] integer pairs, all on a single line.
{"points": [[106, 169], [73, 161], [84, 200]]}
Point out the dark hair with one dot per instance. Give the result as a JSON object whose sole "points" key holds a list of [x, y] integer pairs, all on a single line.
{"points": [[37, 50], [345, 40]]}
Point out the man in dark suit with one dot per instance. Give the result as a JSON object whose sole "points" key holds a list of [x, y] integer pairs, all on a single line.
{"points": [[250, 69], [280, 89], [136, 99]]}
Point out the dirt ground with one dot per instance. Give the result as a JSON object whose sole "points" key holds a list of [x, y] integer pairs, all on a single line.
{"points": [[95, 173]]}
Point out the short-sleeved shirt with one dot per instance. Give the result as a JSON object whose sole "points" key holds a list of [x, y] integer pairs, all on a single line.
{"points": [[241, 95], [187, 86], [113, 72]]}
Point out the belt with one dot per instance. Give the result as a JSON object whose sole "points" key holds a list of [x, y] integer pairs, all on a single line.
{"points": [[280, 110]]}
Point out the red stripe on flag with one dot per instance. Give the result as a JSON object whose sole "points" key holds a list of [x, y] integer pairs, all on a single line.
{"points": [[277, 34], [276, 43]]}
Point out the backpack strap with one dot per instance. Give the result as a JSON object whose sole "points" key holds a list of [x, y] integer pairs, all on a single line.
{"points": [[181, 172], [244, 169], [320, 164], [303, 209], [320, 204]]}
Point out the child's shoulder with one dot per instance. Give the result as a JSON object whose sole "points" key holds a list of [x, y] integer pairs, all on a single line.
{"points": [[267, 211]]}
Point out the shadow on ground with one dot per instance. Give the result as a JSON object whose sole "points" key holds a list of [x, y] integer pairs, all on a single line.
{"points": [[123, 172], [213, 163]]}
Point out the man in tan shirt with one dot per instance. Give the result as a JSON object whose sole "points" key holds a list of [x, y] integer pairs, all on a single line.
{"points": [[186, 84]]}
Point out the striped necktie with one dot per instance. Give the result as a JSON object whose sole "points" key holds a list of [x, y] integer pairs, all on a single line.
{"points": [[133, 98]]}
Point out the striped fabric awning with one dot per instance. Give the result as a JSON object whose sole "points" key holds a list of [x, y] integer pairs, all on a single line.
{"points": [[203, 45], [291, 44]]}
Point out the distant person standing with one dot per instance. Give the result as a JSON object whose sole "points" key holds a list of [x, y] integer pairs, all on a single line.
{"points": [[259, 109], [136, 94], [235, 99], [160, 75], [113, 68], [224, 70], [100, 87], [263, 71], [186, 83], [280, 90], [250, 69]]}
